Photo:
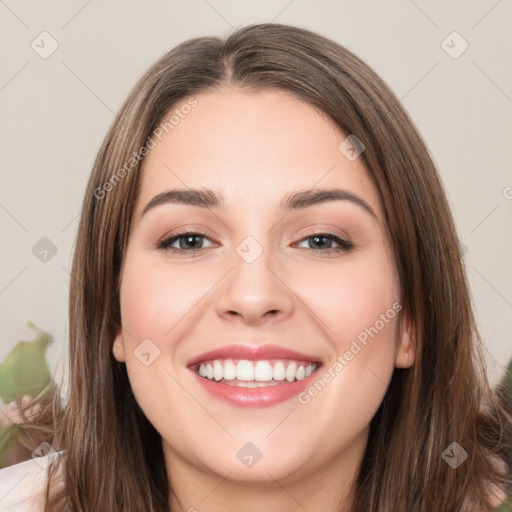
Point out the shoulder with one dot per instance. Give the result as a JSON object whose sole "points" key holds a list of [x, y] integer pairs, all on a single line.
{"points": [[22, 486]]}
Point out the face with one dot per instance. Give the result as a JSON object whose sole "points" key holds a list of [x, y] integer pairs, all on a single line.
{"points": [[270, 323]]}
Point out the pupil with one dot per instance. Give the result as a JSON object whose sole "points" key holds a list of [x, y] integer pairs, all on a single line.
{"points": [[317, 238], [190, 239]]}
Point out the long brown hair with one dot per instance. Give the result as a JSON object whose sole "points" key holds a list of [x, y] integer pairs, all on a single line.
{"points": [[114, 457]]}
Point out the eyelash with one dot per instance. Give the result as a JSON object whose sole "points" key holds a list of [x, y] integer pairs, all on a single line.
{"points": [[164, 245]]}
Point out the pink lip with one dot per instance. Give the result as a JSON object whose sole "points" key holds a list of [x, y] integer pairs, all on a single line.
{"points": [[253, 397], [263, 352]]}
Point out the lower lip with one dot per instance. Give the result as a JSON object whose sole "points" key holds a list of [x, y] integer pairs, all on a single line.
{"points": [[254, 397]]}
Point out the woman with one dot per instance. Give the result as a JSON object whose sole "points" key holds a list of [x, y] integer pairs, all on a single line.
{"points": [[268, 306]]}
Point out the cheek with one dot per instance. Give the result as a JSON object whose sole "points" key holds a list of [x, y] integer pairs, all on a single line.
{"points": [[350, 299], [154, 301], [358, 305], [359, 308], [158, 306], [154, 304]]}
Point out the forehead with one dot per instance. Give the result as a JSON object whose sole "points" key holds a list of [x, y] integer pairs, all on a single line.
{"points": [[254, 145]]}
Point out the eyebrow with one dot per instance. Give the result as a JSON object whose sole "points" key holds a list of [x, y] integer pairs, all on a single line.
{"points": [[207, 198]]}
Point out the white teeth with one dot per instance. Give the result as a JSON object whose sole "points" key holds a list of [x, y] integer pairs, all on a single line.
{"points": [[263, 371], [251, 384], [279, 371], [218, 372], [229, 370], [244, 370], [290, 372], [245, 373]]}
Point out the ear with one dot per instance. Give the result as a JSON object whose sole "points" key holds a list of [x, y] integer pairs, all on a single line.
{"points": [[118, 346], [406, 343]]}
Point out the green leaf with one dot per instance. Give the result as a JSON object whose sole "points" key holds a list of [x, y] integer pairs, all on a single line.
{"points": [[25, 371]]}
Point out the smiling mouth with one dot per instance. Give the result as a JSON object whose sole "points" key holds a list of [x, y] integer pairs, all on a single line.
{"points": [[245, 373]]}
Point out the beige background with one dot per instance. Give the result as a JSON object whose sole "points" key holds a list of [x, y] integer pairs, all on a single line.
{"points": [[55, 112]]}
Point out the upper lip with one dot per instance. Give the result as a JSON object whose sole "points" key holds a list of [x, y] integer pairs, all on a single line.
{"points": [[252, 353]]}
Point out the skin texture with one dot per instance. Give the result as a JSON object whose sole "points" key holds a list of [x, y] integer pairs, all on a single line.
{"points": [[254, 147]]}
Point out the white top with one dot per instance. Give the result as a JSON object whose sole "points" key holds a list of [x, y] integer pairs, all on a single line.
{"points": [[22, 486]]}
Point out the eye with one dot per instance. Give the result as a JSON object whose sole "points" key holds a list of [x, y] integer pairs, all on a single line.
{"points": [[188, 241], [319, 240]]}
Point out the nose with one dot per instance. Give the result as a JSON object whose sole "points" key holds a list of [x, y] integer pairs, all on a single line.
{"points": [[254, 293]]}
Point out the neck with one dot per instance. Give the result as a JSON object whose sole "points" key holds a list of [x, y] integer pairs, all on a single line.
{"points": [[327, 487]]}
